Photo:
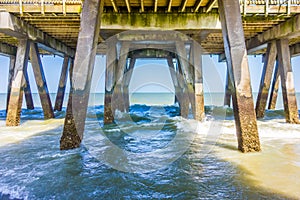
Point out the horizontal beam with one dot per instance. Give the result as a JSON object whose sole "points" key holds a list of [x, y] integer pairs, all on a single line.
{"points": [[76, 8], [15, 27], [295, 50], [272, 9], [151, 53], [7, 50], [47, 8], [160, 21], [288, 29]]}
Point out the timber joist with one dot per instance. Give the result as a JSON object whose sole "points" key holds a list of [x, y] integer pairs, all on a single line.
{"points": [[199, 19]]}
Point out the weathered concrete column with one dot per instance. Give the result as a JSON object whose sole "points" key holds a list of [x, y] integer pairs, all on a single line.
{"points": [[174, 80], [274, 88], [82, 74], [118, 96], [237, 61], [41, 81], [287, 81], [110, 81], [265, 82], [62, 85], [187, 76], [183, 94], [199, 112], [27, 92], [10, 78], [127, 78], [228, 89], [18, 83]]}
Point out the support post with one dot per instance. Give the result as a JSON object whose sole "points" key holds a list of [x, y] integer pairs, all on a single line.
{"points": [[228, 89], [110, 81], [199, 111], [118, 96], [274, 88], [10, 78], [41, 81], [27, 92], [187, 76], [287, 81], [62, 85], [237, 61], [174, 80], [127, 78], [183, 96], [82, 74], [265, 82], [18, 83]]}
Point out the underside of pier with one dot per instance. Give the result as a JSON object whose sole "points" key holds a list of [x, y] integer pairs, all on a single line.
{"points": [[180, 31]]}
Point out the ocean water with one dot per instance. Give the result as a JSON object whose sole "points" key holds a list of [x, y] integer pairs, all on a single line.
{"points": [[150, 153]]}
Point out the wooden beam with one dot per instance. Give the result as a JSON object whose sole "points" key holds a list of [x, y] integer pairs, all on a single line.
{"points": [[265, 82], [237, 62], [288, 29], [155, 5], [142, 6], [210, 5], [47, 8], [183, 5], [13, 26], [197, 5], [128, 6], [82, 74], [170, 6], [114, 5]]}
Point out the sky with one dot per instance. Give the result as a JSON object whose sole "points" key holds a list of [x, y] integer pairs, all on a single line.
{"points": [[150, 75]]}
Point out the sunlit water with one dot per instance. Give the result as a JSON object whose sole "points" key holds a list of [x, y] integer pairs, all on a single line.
{"points": [[33, 167]]}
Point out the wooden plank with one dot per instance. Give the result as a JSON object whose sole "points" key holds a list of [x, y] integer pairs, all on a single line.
{"points": [[15, 27]]}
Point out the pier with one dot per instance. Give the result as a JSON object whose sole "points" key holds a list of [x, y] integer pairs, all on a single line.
{"points": [[125, 31]]}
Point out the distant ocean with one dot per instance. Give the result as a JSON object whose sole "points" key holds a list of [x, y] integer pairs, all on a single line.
{"points": [[151, 99], [150, 153]]}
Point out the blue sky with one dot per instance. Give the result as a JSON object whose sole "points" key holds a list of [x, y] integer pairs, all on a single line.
{"points": [[149, 76]]}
